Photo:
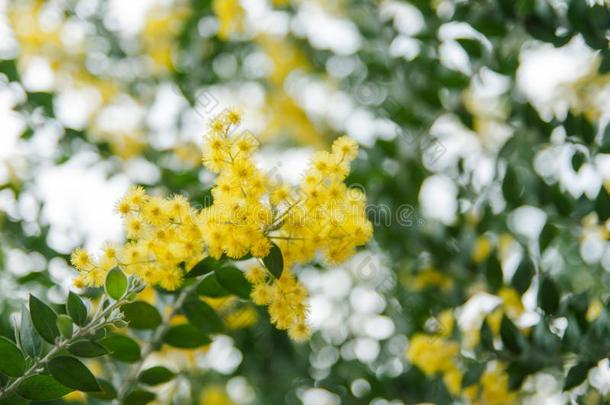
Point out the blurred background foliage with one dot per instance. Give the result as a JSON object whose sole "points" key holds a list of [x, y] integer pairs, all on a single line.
{"points": [[485, 141]]}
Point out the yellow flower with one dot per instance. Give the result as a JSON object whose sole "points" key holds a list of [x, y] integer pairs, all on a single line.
{"points": [[231, 17], [430, 277], [453, 380], [511, 301], [299, 331], [214, 395], [80, 259], [256, 275], [262, 294], [494, 388], [241, 318], [432, 354], [481, 250], [345, 147]]}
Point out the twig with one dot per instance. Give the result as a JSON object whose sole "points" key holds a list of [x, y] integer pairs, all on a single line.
{"points": [[154, 341], [88, 329]]}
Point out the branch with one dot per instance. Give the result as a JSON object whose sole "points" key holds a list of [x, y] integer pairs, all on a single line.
{"points": [[97, 323], [154, 341]]}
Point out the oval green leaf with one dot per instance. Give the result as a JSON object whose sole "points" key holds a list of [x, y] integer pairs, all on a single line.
{"points": [[186, 336], [108, 391], [523, 275], [72, 373], [234, 281], [65, 325], [76, 309], [577, 375], [156, 375], [493, 272], [122, 348], [13, 398], [139, 397], [202, 315], [116, 284], [274, 261], [42, 388], [44, 319], [12, 362], [85, 348], [548, 296], [141, 315], [210, 287], [29, 340], [510, 335], [205, 266]]}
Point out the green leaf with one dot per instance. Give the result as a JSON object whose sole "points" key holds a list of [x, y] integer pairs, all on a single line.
{"points": [[473, 375], [116, 284], [580, 127], [44, 320], [510, 335], [473, 47], [205, 266], [604, 67], [572, 336], [545, 340], [578, 305], [76, 309], [549, 232], [29, 340], [122, 348], [139, 397], [72, 373], [487, 338], [202, 315], [274, 261], [516, 376], [493, 272], [12, 362], [578, 159], [42, 388], [141, 315], [186, 336], [234, 281], [210, 287], [523, 275], [511, 187], [107, 393], [156, 375], [13, 399], [42, 99], [548, 296], [86, 348], [602, 204], [65, 326], [577, 375]]}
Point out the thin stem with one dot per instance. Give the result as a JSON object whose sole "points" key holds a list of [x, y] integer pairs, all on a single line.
{"points": [[96, 323], [154, 341]]}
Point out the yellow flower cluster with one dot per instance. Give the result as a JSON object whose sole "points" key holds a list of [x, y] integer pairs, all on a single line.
{"points": [[163, 24], [493, 389], [432, 354], [436, 354], [164, 238], [231, 17], [250, 211], [285, 298], [167, 237]]}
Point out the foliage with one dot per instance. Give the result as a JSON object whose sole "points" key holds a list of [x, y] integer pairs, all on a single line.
{"points": [[210, 247]]}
